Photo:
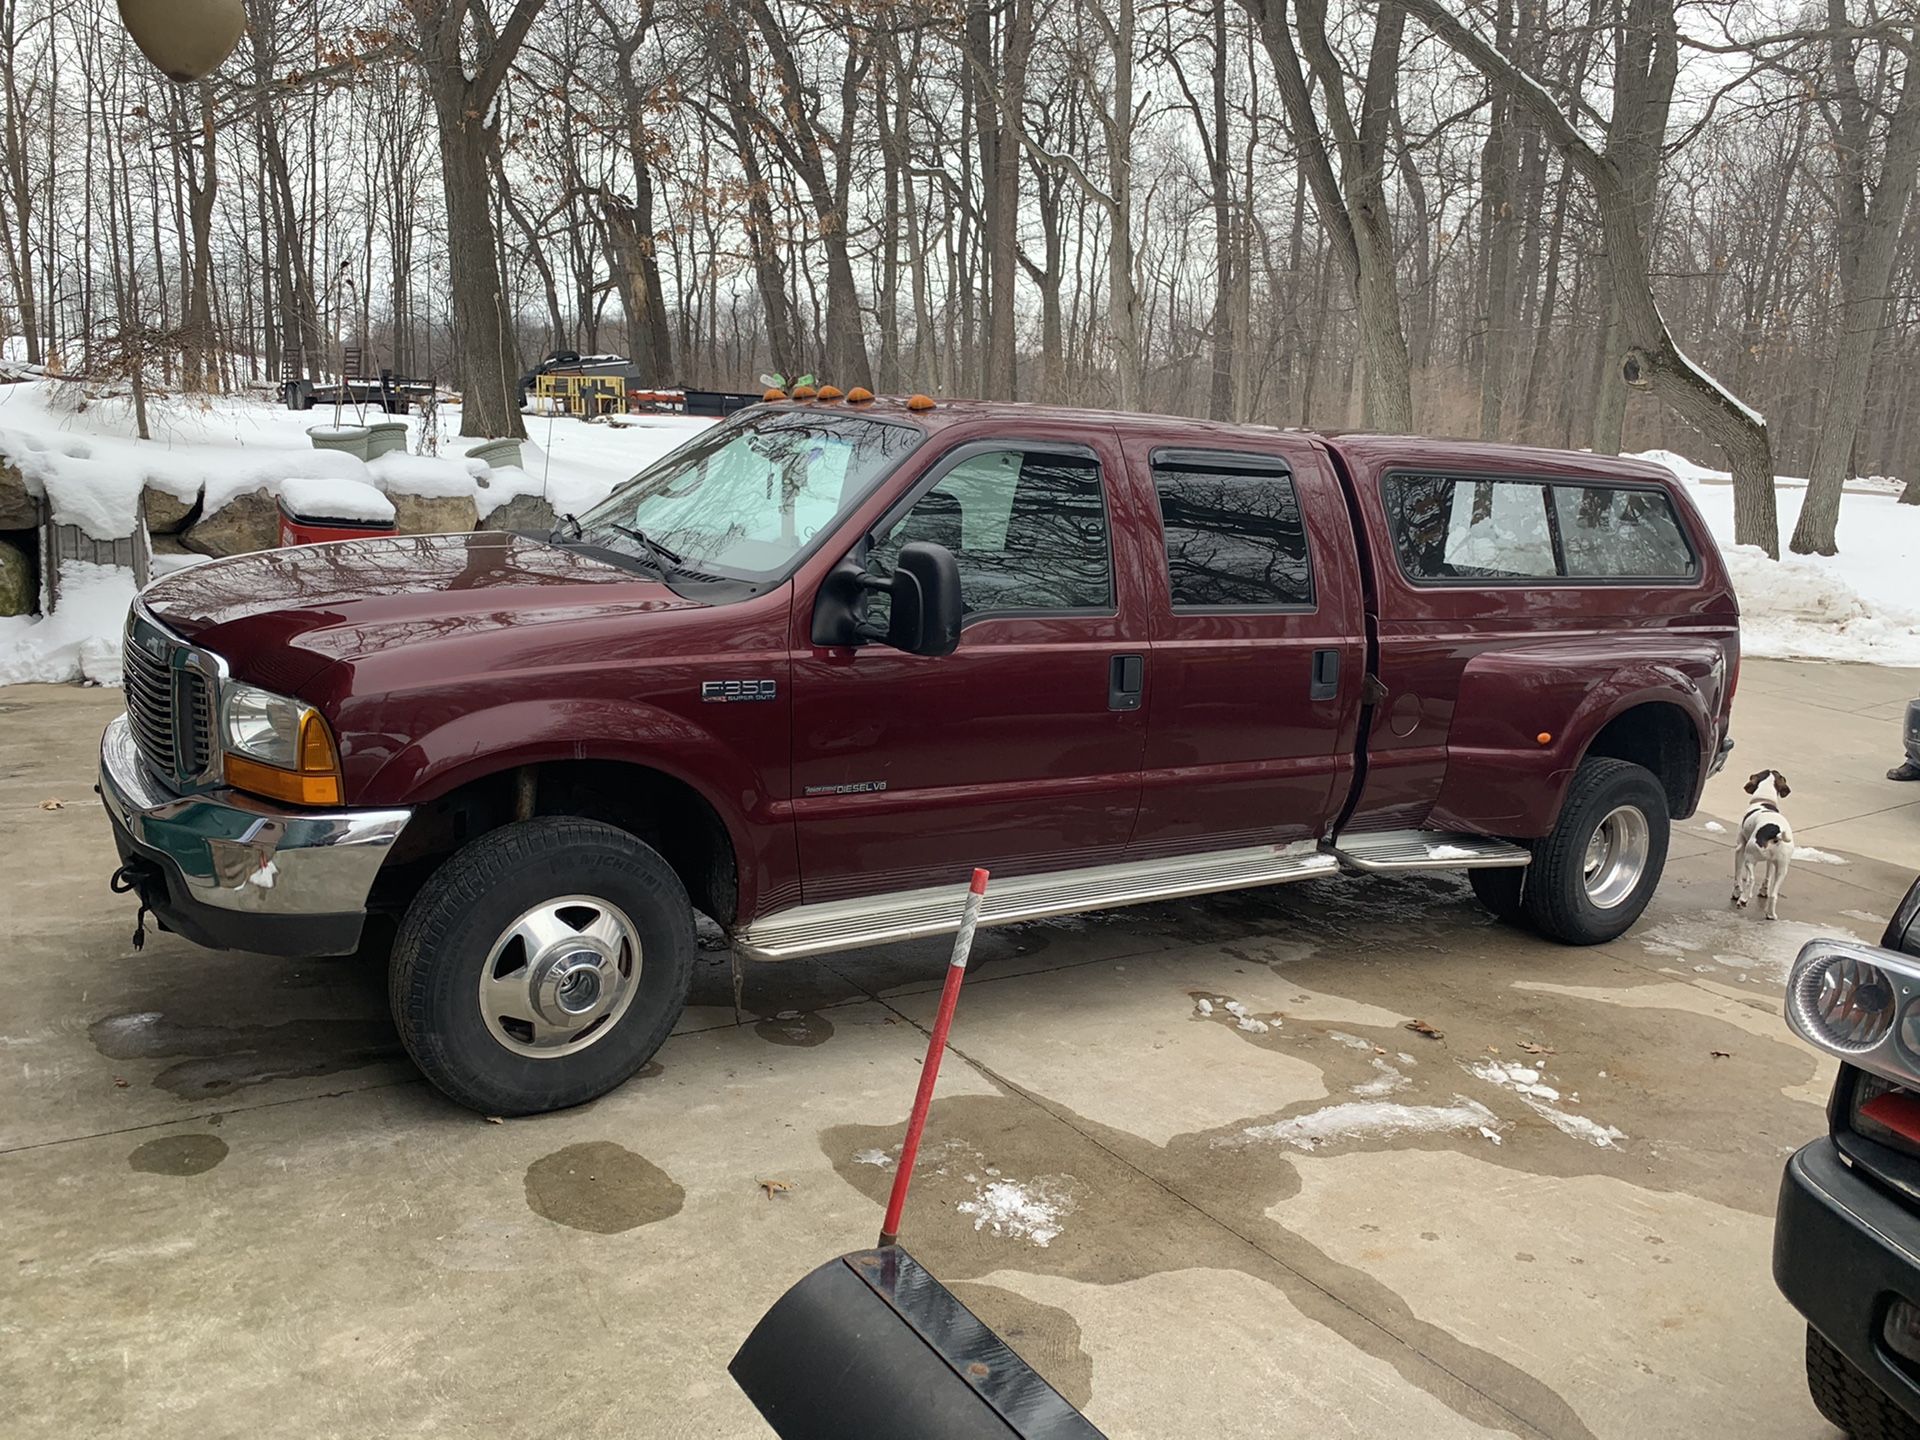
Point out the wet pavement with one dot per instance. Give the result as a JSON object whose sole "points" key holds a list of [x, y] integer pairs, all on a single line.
{"points": [[1339, 1158]]}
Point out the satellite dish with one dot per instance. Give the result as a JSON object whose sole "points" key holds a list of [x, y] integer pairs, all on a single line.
{"points": [[186, 39]]}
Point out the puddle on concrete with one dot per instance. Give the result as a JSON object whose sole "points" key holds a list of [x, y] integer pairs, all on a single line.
{"points": [[179, 1155], [601, 1187], [1045, 1336], [224, 1058], [804, 1029]]}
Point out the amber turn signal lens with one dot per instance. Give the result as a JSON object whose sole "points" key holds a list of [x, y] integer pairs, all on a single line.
{"points": [[919, 402], [859, 395], [830, 392], [804, 392], [316, 782], [773, 395]]}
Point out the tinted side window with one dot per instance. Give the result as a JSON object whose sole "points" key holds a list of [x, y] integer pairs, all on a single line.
{"points": [[1029, 531], [1609, 534], [1447, 529], [1233, 539]]}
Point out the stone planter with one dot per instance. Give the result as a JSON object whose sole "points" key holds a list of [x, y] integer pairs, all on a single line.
{"points": [[385, 437], [496, 454], [352, 439]]}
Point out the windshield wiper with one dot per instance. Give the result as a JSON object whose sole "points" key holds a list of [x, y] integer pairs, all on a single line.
{"points": [[661, 551]]}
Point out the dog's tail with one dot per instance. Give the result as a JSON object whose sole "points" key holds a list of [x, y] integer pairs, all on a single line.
{"points": [[1767, 835]]}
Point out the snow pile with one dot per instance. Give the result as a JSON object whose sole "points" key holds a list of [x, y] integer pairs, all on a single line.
{"points": [[1816, 857], [78, 451], [1386, 1081], [80, 639], [1033, 1212], [1858, 605], [314, 498], [1373, 1120]]}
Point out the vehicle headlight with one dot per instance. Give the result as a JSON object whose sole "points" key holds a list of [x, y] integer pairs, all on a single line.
{"points": [[278, 747]]}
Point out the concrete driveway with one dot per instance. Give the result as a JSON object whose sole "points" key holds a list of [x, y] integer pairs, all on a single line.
{"points": [[231, 1208]]}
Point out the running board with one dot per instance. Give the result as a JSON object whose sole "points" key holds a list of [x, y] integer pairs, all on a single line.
{"points": [[913, 914], [1391, 850]]}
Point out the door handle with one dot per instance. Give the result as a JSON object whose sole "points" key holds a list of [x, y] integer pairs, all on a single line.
{"points": [[1326, 675], [1126, 678]]}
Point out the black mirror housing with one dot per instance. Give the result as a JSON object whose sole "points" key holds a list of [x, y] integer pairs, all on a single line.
{"points": [[925, 589], [925, 614]]}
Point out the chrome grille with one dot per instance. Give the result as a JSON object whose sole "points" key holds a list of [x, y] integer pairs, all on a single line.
{"points": [[170, 700], [149, 687]]}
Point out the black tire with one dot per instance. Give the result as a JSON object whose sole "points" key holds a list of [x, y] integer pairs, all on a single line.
{"points": [[466, 908], [1849, 1400], [1499, 891], [1556, 892]]}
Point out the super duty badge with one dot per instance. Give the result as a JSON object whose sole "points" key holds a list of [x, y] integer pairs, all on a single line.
{"points": [[727, 691]]}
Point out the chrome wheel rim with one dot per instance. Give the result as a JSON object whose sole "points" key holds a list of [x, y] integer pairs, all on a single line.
{"points": [[1617, 856], [560, 977]]}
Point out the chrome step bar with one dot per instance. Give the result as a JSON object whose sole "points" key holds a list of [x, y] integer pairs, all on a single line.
{"points": [[912, 914], [1391, 850]]}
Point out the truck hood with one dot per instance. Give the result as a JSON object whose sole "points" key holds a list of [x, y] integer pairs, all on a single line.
{"points": [[348, 599]]}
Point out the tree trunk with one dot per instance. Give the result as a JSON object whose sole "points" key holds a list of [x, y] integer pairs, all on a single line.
{"points": [[1863, 313]]}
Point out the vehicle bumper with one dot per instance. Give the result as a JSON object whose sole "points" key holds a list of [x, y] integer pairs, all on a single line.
{"points": [[234, 873], [1720, 756], [1843, 1251]]}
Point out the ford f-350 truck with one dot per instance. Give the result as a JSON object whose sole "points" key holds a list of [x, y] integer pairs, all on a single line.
{"points": [[808, 670]]}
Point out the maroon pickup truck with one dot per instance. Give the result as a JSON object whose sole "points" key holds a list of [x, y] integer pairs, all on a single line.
{"points": [[806, 671]]}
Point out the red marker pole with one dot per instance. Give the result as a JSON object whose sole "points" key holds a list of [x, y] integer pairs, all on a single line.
{"points": [[936, 1047]]}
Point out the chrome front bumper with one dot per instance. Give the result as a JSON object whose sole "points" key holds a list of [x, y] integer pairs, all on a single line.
{"points": [[235, 854]]}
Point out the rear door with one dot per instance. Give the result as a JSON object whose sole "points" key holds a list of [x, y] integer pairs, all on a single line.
{"points": [[1258, 647], [1014, 752]]}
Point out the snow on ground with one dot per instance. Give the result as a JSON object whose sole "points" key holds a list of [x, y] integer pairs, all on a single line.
{"points": [[1858, 605], [1373, 1120], [1736, 940], [1034, 1211], [81, 640], [82, 453]]}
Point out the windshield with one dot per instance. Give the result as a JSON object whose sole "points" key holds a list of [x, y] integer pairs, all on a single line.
{"points": [[744, 499]]}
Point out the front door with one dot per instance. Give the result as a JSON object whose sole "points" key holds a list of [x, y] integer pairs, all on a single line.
{"points": [[1017, 751], [1258, 650]]}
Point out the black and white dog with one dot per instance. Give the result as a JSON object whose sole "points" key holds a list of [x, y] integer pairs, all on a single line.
{"points": [[1766, 842]]}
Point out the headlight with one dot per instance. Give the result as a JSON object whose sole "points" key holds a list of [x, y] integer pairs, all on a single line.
{"points": [[277, 747]]}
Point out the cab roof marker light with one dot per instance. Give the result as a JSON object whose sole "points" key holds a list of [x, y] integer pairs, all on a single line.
{"points": [[859, 395], [828, 394], [773, 394], [919, 402], [804, 392], [1860, 1003]]}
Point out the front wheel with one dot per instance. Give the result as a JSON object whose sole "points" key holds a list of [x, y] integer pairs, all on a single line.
{"points": [[542, 965], [1593, 875]]}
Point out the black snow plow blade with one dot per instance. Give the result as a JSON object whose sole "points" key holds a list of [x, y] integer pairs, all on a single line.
{"points": [[871, 1345]]}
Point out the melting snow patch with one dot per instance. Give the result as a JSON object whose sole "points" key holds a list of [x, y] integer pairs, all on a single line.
{"points": [[1493, 1135], [1372, 1120], [1203, 1006], [1022, 1212], [1352, 1042], [1253, 1026], [1816, 857], [1386, 1081], [1733, 939], [1714, 827], [1450, 852], [1234, 1007], [1522, 1078], [1578, 1126], [872, 1157]]}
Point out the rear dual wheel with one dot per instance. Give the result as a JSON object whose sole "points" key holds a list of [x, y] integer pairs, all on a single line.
{"points": [[1593, 874], [542, 965]]}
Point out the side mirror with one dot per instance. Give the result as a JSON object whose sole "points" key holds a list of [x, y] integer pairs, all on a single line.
{"points": [[925, 613], [925, 589]]}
